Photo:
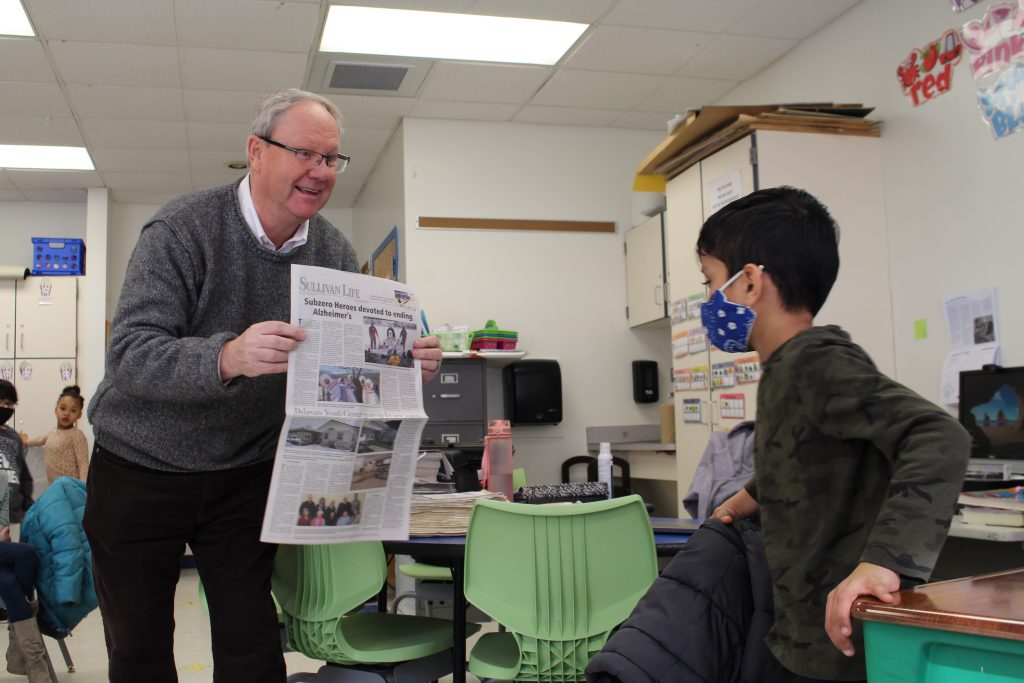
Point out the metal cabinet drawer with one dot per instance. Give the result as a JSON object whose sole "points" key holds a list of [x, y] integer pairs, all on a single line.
{"points": [[444, 433], [458, 393]]}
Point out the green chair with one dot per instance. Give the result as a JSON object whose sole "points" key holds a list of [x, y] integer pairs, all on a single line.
{"points": [[322, 587], [559, 577]]}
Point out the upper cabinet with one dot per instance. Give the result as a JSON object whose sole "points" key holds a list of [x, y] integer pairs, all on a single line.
{"points": [[645, 272]]}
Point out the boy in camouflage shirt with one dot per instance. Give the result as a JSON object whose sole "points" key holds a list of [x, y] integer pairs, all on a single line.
{"points": [[855, 476]]}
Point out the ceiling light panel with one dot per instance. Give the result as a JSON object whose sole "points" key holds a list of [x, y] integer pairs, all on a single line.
{"points": [[13, 20], [40, 157], [443, 35]]}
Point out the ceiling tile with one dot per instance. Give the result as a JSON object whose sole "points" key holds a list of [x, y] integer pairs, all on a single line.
{"points": [[359, 111], [12, 196], [637, 50], [112, 64], [567, 116], [141, 160], [243, 24], [176, 183], [5, 182], [53, 180], [69, 196], [201, 181], [642, 120], [220, 106], [143, 22], [23, 59], [135, 134], [365, 141], [483, 83], [135, 197], [473, 111], [680, 15], [126, 102], [793, 19], [358, 168], [736, 57], [215, 162], [599, 89], [211, 69], [37, 130], [680, 94], [32, 99], [223, 137]]}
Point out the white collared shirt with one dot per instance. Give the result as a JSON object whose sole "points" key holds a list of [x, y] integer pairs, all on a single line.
{"points": [[252, 219]]}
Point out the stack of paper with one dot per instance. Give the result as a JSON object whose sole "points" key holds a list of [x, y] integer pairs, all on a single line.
{"points": [[445, 514], [997, 507], [709, 129]]}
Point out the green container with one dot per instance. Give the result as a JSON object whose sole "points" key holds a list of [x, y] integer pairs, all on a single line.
{"points": [[908, 654]]}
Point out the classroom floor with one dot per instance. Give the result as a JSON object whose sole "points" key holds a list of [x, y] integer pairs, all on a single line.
{"points": [[191, 645]]}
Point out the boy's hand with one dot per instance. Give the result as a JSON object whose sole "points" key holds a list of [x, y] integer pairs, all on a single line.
{"points": [[866, 579], [261, 350], [740, 506], [428, 351]]}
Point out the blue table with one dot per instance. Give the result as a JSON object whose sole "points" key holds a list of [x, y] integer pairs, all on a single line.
{"points": [[451, 550]]}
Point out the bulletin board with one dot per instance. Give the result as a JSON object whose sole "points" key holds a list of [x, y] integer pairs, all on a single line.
{"points": [[384, 262]]}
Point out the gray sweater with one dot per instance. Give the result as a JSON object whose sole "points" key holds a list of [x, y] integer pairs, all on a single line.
{"points": [[197, 279]]}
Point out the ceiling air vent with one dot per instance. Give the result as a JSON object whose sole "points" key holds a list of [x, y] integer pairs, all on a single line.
{"points": [[336, 73], [367, 76]]}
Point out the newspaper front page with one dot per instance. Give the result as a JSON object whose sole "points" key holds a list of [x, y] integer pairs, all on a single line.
{"points": [[346, 458]]}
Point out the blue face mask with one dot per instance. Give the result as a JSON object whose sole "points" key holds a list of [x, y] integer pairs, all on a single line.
{"points": [[728, 324]]}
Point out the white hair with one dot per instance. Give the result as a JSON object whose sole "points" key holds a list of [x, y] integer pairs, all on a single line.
{"points": [[270, 109]]}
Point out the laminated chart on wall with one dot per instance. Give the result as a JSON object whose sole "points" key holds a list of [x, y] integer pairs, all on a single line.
{"points": [[680, 344], [699, 378], [732, 406], [748, 369], [692, 410], [677, 311], [681, 379], [693, 303], [723, 374], [698, 340]]}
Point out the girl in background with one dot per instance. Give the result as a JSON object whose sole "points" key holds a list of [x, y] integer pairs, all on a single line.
{"points": [[66, 449]]}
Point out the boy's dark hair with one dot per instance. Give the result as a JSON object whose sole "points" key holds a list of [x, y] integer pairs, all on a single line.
{"points": [[787, 231], [8, 392], [74, 392]]}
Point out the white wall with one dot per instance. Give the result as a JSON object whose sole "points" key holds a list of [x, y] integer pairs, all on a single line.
{"points": [[950, 187], [381, 204], [564, 292], [21, 221]]}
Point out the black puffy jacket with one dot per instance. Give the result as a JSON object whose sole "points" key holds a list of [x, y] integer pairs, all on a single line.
{"points": [[703, 620]]}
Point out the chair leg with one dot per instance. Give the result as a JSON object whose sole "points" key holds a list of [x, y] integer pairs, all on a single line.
{"points": [[66, 655]]}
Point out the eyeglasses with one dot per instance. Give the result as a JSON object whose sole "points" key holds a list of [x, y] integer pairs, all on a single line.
{"points": [[309, 158]]}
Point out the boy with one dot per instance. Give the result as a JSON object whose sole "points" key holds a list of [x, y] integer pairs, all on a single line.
{"points": [[855, 476], [12, 455]]}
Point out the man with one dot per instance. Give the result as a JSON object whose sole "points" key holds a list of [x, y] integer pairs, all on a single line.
{"points": [[188, 414]]}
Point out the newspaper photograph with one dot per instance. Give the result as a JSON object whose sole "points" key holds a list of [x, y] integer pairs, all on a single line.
{"points": [[346, 458]]}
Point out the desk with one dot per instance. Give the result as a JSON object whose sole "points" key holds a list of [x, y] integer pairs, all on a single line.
{"points": [[451, 550], [961, 630]]}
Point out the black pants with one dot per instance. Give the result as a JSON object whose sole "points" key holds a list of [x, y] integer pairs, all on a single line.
{"points": [[17, 578], [138, 521]]}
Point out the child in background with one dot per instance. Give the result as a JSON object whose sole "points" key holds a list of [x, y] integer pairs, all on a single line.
{"points": [[855, 476], [12, 455], [66, 448]]}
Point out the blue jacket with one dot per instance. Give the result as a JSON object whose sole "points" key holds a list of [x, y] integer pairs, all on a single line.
{"points": [[53, 525]]}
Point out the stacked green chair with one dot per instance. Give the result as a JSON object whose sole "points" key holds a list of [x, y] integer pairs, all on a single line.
{"points": [[321, 589], [559, 578]]}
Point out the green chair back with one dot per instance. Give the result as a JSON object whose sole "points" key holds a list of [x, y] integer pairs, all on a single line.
{"points": [[317, 585], [559, 577]]}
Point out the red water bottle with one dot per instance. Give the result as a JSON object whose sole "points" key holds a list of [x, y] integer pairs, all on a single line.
{"points": [[497, 462]]}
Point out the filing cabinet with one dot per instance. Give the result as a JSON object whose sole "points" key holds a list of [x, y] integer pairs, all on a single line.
{"points": [[456, 404]]}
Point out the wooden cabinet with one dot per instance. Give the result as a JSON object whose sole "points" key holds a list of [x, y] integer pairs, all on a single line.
{"points": [[645, 272], [715, 390], [38, 346]]}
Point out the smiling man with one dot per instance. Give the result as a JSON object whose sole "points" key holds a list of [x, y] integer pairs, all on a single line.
{"points": [[189, 411]]}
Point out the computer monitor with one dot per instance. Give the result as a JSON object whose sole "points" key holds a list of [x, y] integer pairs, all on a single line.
{"points": [[990, 410]]}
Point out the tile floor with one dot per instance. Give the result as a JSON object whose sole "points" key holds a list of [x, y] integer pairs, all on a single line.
{"points": [[191, 644]]}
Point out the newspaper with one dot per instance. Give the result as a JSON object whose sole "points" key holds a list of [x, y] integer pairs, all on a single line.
{"points": [[346, 458]]}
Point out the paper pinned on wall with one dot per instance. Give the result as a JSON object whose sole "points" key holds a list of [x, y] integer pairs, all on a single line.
{"points": [[965, 359], [973, 322]]}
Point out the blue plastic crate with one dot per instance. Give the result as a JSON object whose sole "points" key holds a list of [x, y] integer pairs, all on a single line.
{"points": [[58, 256]]}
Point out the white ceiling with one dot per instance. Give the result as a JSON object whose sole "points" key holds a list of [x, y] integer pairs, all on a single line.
{"points": [[161, 91]]}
